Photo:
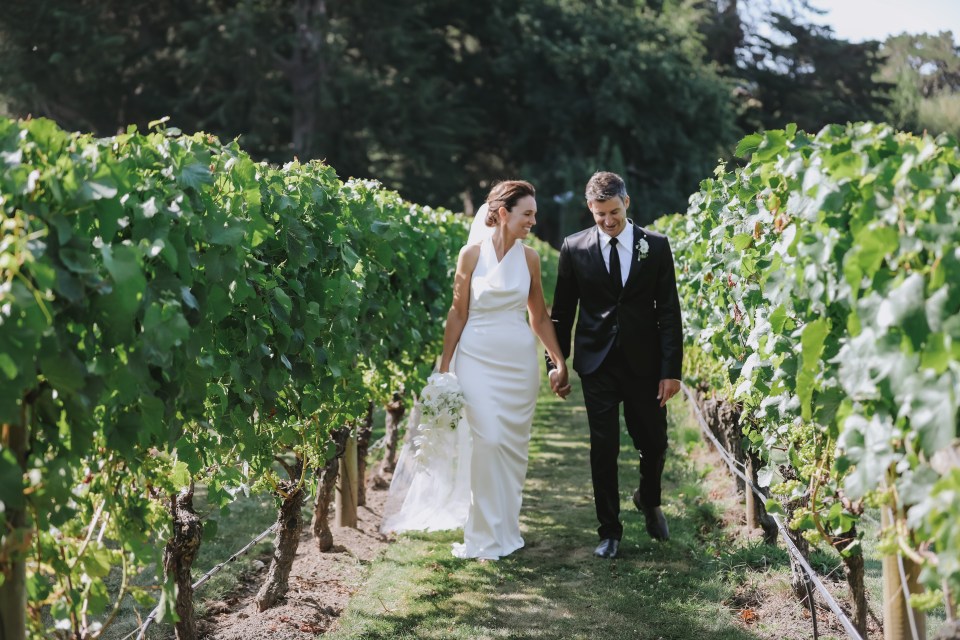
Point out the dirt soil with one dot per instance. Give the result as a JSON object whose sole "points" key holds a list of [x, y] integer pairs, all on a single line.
{"points": [[320, 585], [764, 602]]}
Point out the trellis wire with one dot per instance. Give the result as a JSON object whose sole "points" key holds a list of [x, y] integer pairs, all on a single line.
{"points": [[141, 631], [791, 547]]}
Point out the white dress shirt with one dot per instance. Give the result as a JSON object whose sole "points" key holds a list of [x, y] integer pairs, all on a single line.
{"points": [[624, 247]]}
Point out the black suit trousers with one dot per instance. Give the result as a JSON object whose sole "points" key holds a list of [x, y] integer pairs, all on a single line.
{"points": [[604, 390]]}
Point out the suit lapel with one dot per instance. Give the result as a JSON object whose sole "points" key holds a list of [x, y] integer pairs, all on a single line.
{"points": [[635, 263], [596, 257]]}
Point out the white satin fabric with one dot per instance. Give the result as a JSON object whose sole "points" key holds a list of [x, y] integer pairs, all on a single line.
{"points": [[434, 496], [498, 371], [479, 485]]}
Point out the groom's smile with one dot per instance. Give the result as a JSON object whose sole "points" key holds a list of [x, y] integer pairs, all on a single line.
{"points": [[610, 215]]}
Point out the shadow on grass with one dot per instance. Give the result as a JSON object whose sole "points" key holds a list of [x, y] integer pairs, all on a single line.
{"points": [[555, 587]]}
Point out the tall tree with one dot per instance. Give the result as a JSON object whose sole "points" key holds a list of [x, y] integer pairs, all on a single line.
{"points": [[435, 98], [925, 70], [789, 68], [813, 79]]}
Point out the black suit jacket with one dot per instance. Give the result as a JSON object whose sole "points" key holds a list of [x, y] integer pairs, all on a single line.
{"points": [[644, 319]]}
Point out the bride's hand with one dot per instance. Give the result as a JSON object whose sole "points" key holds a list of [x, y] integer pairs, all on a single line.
{"points": [[559, 381]]}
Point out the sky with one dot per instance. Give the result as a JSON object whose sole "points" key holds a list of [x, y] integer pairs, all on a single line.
{"points": [[858, 20]]}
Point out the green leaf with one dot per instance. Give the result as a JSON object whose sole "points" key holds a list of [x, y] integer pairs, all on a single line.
{"points": [[778, 319], [11, 481], [164, 328], [283, 300], [380, 227], [194, 175], [772, 505], [210, 528], [98, 189], [123, 433], [128, 285], [230, 235], [78, 261], [168, 603], [874, 244], [8, 367], [905, 307], [936, 354], [64, 370], [748, 145], [180, 475], [812, 340], [350, 257], [97, 560], [774, 143], [742, 241]]}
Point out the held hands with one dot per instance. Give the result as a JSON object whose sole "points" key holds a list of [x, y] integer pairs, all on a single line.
{"points": [[667, 389], [559, 382]]}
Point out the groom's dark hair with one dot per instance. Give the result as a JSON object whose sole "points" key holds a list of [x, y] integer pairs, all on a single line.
{"points": [[604, 185]]}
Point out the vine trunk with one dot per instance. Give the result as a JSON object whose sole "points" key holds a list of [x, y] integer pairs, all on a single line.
{"points": [[178, 556], [289, 526], [326, 485]]}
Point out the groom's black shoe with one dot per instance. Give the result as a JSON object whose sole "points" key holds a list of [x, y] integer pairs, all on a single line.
{"points": [[607, 548], [655, 520]]}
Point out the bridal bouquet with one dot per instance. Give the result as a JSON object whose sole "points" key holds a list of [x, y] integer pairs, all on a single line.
{"points": [[441, 404]]}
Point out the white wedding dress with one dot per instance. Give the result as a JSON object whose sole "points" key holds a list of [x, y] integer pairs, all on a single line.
{"points": [[498, 370], [480, 485]]}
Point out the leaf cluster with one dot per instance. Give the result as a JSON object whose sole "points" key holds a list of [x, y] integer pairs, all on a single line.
{"points": [[824, 277], [174, 312]]}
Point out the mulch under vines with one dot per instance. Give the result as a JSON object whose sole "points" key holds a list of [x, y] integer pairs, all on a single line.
{"points": [[320, 585]]}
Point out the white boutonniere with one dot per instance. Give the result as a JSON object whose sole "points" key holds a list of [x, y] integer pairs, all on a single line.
{"points": [[643, 249]]}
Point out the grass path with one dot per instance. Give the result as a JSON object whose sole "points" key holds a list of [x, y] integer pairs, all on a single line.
{"points": [[555, 588]]}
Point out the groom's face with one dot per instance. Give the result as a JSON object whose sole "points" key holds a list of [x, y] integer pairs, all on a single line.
{"points": [[610, 215]]}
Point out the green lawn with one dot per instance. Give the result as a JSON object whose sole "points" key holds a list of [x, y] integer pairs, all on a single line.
{"points": [[555, 588]]}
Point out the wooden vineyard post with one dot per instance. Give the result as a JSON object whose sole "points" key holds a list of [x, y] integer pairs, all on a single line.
{"points": [[753, 516], [364, 432], [346, 495], [896, 615], [13, 591]]}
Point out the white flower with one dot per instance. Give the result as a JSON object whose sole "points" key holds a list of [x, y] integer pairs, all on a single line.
{"points": [[441, 404], [643, 249]]}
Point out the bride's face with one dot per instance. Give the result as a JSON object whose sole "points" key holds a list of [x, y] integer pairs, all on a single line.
{"points": [[521, 218]]}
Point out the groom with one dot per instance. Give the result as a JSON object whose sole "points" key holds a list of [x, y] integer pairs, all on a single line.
{"points": [[628, 348]]}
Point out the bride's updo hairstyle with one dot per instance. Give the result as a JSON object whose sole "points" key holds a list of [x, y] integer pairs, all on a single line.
{"points": [[506, 194]]}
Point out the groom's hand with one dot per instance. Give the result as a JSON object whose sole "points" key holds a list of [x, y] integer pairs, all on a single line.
{"points": [[668, 388], [559, 384]]}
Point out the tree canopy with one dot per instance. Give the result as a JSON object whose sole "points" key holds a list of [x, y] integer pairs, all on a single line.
{"points": [[439, 98], [925, 70]]}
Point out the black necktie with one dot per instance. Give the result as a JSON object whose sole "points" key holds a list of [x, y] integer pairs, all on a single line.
{"points": [[615, 265]]}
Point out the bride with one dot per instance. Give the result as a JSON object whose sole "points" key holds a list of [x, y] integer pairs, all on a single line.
{"points": [[479, 486]]}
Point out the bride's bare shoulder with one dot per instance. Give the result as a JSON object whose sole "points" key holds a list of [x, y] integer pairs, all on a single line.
{"points": [[533, 259], [470, 255]]}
